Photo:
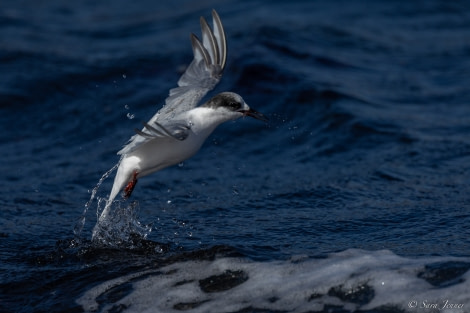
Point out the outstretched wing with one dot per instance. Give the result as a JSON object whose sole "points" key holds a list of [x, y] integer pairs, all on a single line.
{"points": [[203, 73], [201, 76]]}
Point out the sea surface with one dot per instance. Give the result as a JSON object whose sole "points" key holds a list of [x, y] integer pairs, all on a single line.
{"points": [[354, 197]]}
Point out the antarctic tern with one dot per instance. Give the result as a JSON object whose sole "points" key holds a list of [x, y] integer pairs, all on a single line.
{"points": [[180, 127]]}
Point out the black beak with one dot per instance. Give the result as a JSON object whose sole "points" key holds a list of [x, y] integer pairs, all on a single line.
{"points": [[254, 114]]}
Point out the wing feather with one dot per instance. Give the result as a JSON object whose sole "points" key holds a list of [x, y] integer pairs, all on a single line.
{"points": [[209, 41], [200, 51], [219, 35]]}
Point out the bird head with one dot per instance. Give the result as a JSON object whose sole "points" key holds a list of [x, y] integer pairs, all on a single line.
{"points": [[231, 106]]}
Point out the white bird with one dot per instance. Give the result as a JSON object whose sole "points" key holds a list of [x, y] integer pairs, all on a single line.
{"points": [[178, 130]]}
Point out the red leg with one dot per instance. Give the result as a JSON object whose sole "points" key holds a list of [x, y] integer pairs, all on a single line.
{"points": [[130, 186]]}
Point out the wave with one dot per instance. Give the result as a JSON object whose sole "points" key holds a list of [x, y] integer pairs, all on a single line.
{"points": [[347, 281]]}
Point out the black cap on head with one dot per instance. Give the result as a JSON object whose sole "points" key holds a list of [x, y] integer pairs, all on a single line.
{"points": [[231, 101], [235, 103]]}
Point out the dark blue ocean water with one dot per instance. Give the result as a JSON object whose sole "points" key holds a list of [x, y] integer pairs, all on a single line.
{"points": [[355, 196]]}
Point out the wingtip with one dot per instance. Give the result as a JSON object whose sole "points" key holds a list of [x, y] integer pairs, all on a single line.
{"points": [[202, 21], [200, 53], [220, 35], [213, 47], [209, 41]]}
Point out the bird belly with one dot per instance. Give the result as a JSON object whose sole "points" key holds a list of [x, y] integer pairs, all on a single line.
{"points": [[159, 154]]}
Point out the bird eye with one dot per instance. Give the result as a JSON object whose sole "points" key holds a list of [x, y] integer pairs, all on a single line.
{"points": [[234, 105]]}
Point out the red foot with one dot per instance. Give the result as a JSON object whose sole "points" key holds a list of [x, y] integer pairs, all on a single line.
{"points": [[130, 186]]}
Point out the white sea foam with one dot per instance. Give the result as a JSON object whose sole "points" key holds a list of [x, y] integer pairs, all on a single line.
{"points": [[350, 280]]}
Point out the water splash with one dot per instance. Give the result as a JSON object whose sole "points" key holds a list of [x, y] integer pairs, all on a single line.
{"points": [[121, 228], [77, 230]]}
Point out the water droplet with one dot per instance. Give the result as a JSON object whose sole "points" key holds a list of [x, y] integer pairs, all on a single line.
{"points": [[181, 164], [235, 190], [169, 201], [130, 116], [124, 76], [126, 107]]}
